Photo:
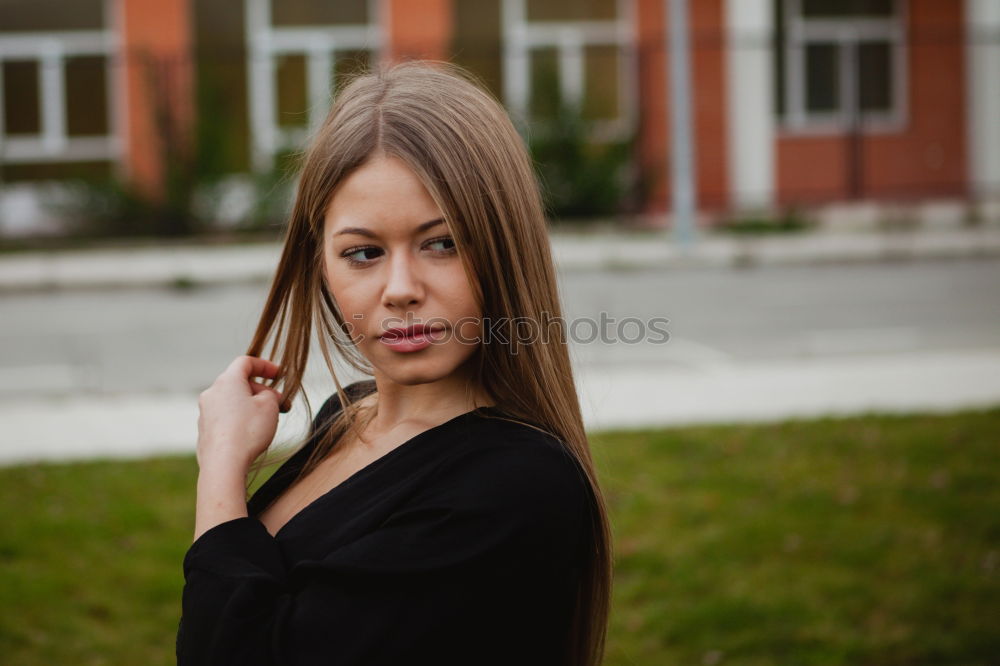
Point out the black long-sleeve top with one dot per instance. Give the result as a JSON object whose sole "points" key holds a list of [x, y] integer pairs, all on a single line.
{"points": [[463, 545]]}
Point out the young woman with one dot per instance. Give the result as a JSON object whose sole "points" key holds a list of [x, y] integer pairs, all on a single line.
{"points": [[447, 510]]}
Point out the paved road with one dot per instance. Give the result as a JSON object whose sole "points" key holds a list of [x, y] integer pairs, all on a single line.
{"points": [[764, 342], [795, 312]]}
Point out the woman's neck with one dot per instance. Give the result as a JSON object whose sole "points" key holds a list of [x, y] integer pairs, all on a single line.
{"points": [[425, 404]]}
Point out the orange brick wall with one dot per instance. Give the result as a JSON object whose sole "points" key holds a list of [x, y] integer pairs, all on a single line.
{"points": [[710, 106], [157, 55], [420, 29], [653, 112], [926, 158]]}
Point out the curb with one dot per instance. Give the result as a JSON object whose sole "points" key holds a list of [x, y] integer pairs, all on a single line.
{"points": [[655, 251], [182, 267]]}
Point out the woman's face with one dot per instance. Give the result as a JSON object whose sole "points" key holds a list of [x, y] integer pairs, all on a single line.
{"points": [[390, 263]]}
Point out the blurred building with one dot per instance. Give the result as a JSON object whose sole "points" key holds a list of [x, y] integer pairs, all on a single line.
{"points": [[796, 102]]}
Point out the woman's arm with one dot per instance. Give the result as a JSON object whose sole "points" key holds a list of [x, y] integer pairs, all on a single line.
{"points": [[237, 421], [221, 497]]}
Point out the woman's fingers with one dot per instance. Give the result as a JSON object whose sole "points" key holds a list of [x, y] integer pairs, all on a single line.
{"points": [[245, 367], [238, 413], [258, 388]]}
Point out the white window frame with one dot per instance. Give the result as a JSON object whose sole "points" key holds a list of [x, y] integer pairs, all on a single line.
{"points": [[319, 44], [846, 33], [570, 38], [49, 50]]}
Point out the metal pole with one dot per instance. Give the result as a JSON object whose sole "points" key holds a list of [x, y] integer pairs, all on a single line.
{"points": [[682, 125]]}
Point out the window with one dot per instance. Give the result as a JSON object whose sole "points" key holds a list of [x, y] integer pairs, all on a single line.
{"points": [[839, 63], [56, 82], [567, 53], [51, 16], [299, 51]]}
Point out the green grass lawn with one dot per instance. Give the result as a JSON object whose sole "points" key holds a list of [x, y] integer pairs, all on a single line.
{"points": [[870, 540]]}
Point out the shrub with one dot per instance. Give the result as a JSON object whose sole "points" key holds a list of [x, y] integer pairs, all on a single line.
{"points": [[580, 177]]}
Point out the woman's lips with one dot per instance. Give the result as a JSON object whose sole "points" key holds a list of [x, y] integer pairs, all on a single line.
{"points": [[411, 339]]}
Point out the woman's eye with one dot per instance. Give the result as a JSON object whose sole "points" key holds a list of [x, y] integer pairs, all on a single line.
{"points": [[445, 244], [360, 255]]}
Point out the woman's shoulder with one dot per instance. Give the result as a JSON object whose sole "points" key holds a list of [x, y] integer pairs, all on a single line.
{"points": [[514, 461], [519, 481], [496, 428]]}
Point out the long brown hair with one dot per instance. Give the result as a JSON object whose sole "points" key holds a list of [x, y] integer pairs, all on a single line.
{"points": [[464, 149]]}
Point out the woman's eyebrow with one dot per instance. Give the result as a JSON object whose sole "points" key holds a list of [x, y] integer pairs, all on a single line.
{"points": [[368, 233]]}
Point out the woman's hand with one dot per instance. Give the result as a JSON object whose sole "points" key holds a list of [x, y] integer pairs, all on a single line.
{"points": [[239, 416]]}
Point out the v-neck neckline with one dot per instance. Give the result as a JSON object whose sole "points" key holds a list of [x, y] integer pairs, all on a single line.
{"points": [[366, 469]]}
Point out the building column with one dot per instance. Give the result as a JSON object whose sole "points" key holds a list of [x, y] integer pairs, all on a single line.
{"points": [[982, 20], [157, 79], [749, 30], [419, 30]]}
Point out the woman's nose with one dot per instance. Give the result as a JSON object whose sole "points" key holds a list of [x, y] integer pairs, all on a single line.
{"points": [[404, 286]]}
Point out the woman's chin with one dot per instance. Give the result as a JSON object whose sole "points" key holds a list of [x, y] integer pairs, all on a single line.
{"points": [[423, 366], [411, 371]]}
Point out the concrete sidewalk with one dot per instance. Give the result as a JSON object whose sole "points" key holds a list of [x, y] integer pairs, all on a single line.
{"points": [[129, 426], [188, 265]]}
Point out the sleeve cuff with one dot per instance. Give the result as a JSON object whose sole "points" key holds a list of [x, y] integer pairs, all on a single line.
{"points": [[238, 545]]}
